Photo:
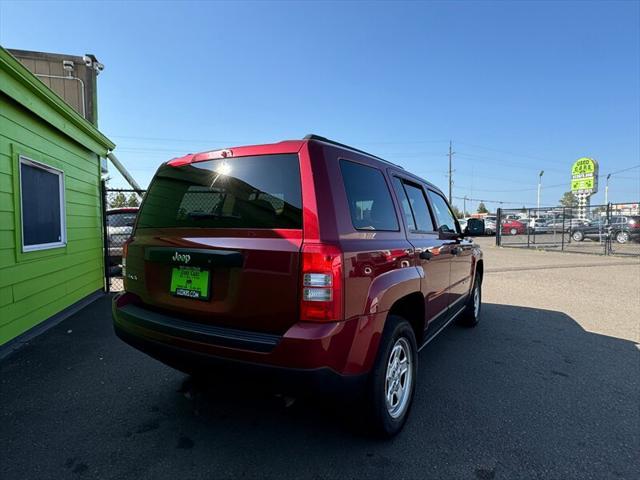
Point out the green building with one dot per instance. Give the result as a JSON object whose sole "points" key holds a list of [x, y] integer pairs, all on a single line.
{"points": [[51, 227]]}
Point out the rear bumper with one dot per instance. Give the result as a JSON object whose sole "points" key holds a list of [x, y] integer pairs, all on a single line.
{"points": [[321, 356]]}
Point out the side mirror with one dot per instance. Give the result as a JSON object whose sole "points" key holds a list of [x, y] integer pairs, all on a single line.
{"points": [[449, 235]]}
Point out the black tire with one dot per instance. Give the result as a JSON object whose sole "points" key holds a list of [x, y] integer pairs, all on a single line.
{"points": [[471, 316], [380, 419], [577, 236]]}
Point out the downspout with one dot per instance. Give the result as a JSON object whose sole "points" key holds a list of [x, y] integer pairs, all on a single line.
{"points": [[123, 171], [69, 77]]}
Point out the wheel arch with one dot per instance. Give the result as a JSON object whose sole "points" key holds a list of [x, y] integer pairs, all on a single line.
{"points": [[480, 269], [411, 308]]}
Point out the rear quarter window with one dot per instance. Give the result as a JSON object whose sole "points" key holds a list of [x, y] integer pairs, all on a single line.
{"points": [[370, 203]]}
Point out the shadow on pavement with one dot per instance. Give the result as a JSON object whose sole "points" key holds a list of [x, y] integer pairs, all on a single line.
{"points": [[526, 394]]}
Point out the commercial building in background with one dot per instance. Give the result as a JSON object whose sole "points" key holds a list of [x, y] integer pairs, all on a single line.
{"points": [[73, 78], [51, 234], [625, 209]]}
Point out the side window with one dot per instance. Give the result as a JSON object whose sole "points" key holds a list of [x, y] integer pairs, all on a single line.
{"points": [[42, 206], [404, 203], [444, 217], [419, 206], [369, 197]]}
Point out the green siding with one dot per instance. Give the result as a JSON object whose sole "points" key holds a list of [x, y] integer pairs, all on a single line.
{"points": [[37, 285]]}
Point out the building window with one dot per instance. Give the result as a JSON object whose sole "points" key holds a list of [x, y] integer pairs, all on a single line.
{"points": [[42, 206]]}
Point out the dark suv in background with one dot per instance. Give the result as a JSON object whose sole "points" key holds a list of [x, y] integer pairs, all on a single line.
{"points": [[306, 261], [620, 228]]}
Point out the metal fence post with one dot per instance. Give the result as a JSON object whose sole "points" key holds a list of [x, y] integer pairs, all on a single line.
{"points": [[498, 229], [105, 241], [528, 227], [563, 217], [607, 238]]}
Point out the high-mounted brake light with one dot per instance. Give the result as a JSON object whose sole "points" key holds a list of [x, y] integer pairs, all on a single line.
{"points": [[322, 297], [200, 157]]}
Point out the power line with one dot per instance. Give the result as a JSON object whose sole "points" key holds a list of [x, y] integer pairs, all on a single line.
{"points": [[513, 154], [484, 200], [167, 139], [625, 169], [627, 178], [516, 189], [527, 166]]}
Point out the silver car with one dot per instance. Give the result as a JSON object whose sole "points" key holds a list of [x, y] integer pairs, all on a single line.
{"points": [[490, 225]]}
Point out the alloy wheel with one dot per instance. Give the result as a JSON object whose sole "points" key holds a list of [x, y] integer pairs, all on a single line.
{"points": [[399, 378], [476, 301]]}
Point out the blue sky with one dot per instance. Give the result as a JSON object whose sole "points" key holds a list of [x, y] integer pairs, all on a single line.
{"points": [[517, 86]]}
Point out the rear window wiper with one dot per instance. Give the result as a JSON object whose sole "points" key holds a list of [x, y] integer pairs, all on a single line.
{"points": [[205, 215]]}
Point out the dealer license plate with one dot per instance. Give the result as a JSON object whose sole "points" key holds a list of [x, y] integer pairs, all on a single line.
{"points": [[190, 282]]}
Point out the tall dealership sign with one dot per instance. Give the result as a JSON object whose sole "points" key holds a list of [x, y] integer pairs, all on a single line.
{"points": [[584, 182]]}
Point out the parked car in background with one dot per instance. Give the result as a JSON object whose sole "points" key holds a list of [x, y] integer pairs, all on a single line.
{"points": [[537, 225], [621, 228], [463, 223], [120, 222], [227, 273], [490, 225], [567, 225], [475, 227], [512, 227]]}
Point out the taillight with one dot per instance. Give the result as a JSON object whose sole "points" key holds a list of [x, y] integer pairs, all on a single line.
{"points": [[321, 283], [125, 250]]}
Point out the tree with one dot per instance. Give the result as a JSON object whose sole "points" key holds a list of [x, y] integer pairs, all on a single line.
{"points": [[119, 201], [133, 201], [569, 200], [482, 208], [457, 212]]}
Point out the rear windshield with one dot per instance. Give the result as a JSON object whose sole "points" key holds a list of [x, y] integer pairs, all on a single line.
{"points": [[245, 192]]}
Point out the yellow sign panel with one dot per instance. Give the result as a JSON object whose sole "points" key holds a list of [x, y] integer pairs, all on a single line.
{"points": [[584, 165], [584, 176], [582, 184]]}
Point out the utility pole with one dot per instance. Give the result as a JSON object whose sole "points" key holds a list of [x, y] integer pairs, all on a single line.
{"points": [[451, 152], [464, 206], [539, 186], [606, 191]]}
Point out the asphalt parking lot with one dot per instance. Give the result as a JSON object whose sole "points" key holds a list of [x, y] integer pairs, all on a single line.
{"points": [[546, 387]]}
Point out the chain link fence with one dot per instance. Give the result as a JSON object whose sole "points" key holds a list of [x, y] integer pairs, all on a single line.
{"points": [[612, 229], [120, 213]]}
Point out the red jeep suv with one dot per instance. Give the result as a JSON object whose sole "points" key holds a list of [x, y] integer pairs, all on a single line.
{"points": [[307, 261]]}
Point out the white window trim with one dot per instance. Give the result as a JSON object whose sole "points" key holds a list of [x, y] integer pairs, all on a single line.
{"points": [[63, 214]]}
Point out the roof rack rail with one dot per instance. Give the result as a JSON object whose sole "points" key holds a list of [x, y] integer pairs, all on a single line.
{"points": [[312, 136]]}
